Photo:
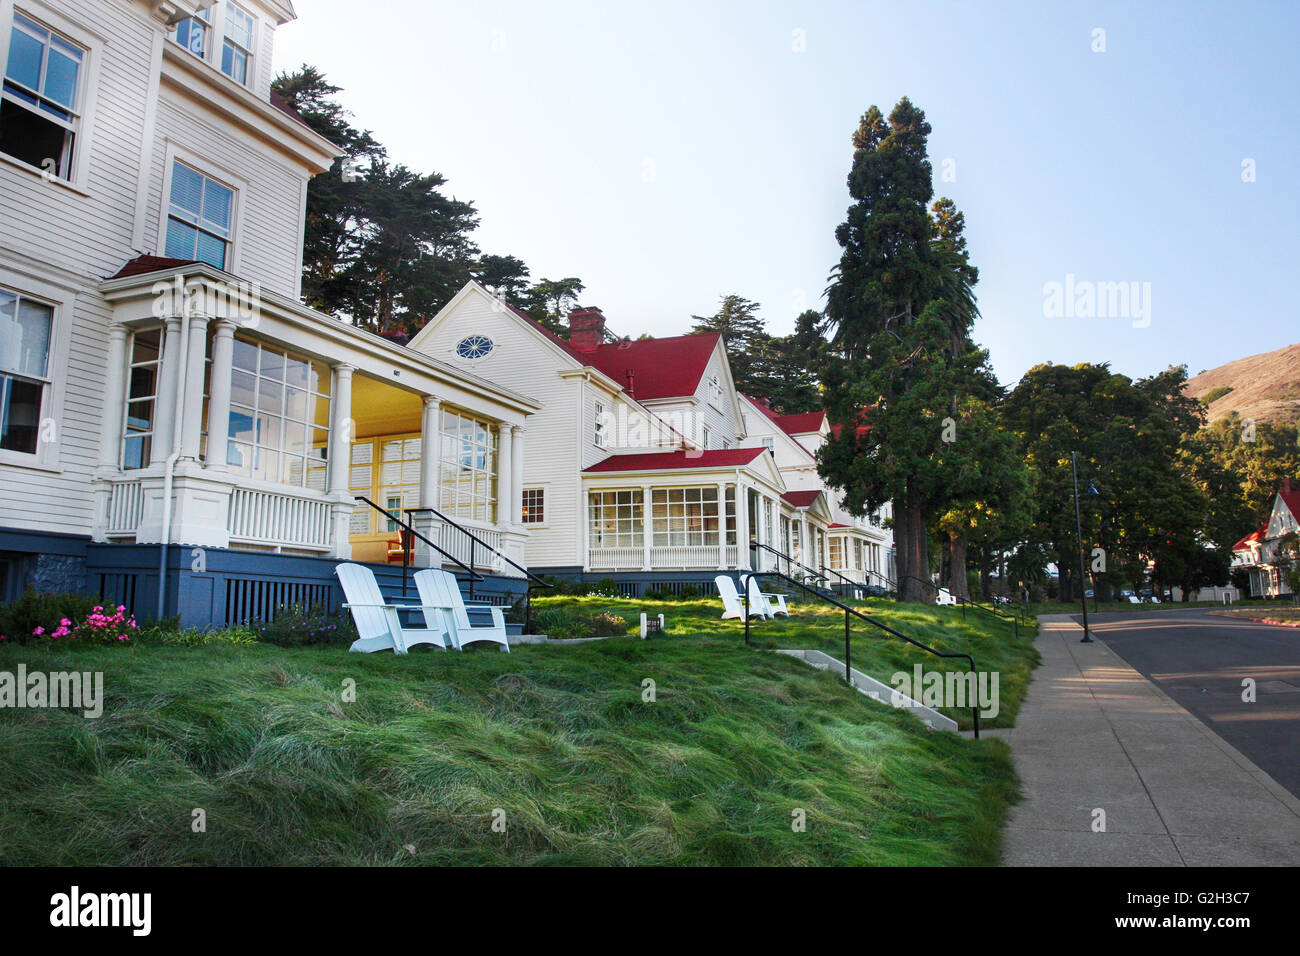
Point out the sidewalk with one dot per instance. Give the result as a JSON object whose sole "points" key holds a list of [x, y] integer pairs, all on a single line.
{"points": [[1094, 733]]}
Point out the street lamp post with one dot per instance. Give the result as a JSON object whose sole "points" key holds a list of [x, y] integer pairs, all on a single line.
{"points": [[1078, 529]]}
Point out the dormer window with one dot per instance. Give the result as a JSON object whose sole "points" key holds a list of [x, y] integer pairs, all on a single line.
{"points": [[222, 35], [238, 47], [715, 389]]}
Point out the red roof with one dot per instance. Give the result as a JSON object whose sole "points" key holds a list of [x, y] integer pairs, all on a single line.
{"points": [[1253, 538], [801, 424], [801, 499], [837, 525], [1292, 500], [142, 265], [677, 460], [655, 368]]}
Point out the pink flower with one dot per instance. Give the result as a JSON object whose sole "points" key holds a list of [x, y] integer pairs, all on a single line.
{"points": [[39, 631], [65, 623]]}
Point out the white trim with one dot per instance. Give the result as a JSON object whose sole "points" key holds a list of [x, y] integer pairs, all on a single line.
{"points": [[147, 147], [88, 78], [48, 455], [178, 153]]}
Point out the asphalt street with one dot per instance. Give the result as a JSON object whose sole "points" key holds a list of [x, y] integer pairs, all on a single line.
{"points": [[1201, 660]]}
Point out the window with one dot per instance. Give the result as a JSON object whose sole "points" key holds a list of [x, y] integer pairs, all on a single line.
{"points": [[770, 444], [616, 519], [534, 506], [40, 102], [193, 33], [279, 416], [474, 346], [705, 436], [199, 218], [688, 517], [25, 327], [141, 395], [715, 389], [237, 49], [399, 475], [468, 467], [599, 432]]}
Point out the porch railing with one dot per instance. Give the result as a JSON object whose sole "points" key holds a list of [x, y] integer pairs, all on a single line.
{"points": [[276, 518]]}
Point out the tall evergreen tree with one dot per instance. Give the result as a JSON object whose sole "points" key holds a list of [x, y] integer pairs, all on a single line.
{"points": [[899, 316]]}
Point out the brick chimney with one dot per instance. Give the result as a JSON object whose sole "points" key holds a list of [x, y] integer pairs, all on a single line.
{"points": [[586, 329]]}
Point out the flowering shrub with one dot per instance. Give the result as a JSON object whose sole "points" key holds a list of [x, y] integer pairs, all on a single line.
{"points": [[37, 614], [111, 627], [299, 626], [607, 622]]}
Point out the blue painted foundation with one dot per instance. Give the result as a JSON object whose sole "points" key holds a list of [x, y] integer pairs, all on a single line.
{"points": [[210, 587], [635, 584]]}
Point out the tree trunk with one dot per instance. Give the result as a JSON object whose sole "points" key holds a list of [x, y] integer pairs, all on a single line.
{"points": [[913, 544], [957, 567], [945, 566]]}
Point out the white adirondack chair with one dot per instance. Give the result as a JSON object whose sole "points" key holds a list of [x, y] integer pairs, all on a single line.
{"points": [[732, 605], [1133, 599], [945, 597], [769, 604], [379, 628], [440, 589]]}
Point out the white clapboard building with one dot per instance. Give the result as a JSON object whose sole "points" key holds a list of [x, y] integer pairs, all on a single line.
{"points": [[177, 431]]}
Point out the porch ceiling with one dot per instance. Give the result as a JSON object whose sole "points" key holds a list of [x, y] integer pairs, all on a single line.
{"points": [[379, 408]]}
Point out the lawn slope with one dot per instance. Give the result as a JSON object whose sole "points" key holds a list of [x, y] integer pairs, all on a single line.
{"points": [[557, 741]]}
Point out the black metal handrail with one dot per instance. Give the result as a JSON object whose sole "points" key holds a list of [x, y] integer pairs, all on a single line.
{"points": [[475, 538], [964, 601], [816, 576], [406, 551], [848, 669], [860, 584]]}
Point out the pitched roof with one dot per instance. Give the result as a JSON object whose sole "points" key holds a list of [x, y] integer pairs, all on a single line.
{"points": [[801, 424], [1254, 537], [677, 460], [660, 368], [801, 499], [1292, 500], [142, 265]]}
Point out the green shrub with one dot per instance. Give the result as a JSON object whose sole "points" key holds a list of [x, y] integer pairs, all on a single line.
{"points": [[606, 624], [299, 626], [40, 610], [558, 623], [605, 587], [191, 637]]}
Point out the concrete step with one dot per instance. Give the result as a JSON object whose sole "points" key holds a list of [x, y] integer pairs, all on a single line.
{"points": [[878, 691]]}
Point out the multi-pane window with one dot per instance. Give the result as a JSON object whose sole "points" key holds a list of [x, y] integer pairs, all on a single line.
{"points": [[616, 518], [141, 398], [40, 102], [199, 218], [688, 517], [399, 475], [25, 326], [534, 506], [468, 467], [837, 554], [796, 542], [279, 416], [704, 436], [770, 444], [193, 33], [598, 425], [715, 389], [237, 49]]}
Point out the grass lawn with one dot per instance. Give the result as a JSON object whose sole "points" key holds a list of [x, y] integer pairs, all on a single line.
{"points": [[558, 737]]}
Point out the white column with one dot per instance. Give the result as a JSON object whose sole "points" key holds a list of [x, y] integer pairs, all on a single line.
{"points": [[192, 407], [164, 416], [430, 441], [507, 516], [722, 526], [805, 542], [223, 352], [340, 444], [647, 527], [110, 447], [742, 525], [517, 473]]}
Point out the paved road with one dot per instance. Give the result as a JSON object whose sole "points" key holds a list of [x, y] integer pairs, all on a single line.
{"points": [[1200, 660]]}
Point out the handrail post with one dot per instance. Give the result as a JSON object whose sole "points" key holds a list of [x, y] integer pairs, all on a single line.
{"points": [[406, 558], [848, 670], [744, 583], [471, 567]]}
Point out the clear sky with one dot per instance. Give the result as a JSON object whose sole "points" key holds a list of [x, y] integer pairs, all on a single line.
{"points": [[668, 153]]}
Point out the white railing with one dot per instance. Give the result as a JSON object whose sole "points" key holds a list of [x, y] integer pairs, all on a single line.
{"points": [[125, 507], [616, 559], [706, 556], [279, 519], [459, 545]]}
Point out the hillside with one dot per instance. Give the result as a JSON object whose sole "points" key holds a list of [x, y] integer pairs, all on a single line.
{"points": [[559, 744], [1263, 387]]}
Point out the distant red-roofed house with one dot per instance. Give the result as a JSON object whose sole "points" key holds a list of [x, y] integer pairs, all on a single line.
{"points": [[1260, 554]]}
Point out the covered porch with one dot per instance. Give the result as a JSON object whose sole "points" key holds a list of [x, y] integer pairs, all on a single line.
{"points": [[679, 511], [239, 419]]}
